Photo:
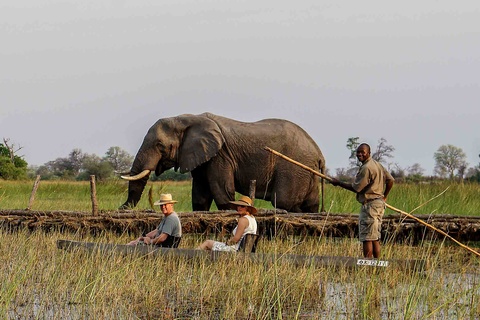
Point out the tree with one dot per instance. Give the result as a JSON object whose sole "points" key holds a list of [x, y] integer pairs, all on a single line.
{"points": [[80, 166], [449, 159], [63, 168], [45, 171], [94, 165], [415, 170], [397, 172], [352, 145], [75, 160], [12, 166], [343, 174], [347, 174], [415, 173], [473, 174], [383, 151], [120, 159]]}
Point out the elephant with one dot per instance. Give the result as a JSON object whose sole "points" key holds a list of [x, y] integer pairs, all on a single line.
{"points": [[223, 155]]}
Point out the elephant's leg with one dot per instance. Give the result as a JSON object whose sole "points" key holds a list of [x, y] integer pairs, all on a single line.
{"points": [[222, 184], [223, 192], [311, 205], [295, 195], [202, 197], [282, 197], [309, 202]]}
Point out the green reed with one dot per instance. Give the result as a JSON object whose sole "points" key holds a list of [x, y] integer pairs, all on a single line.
{"points": [[37, 280]]}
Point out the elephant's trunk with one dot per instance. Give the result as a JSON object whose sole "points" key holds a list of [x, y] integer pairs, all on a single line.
{"points": [[142, 166], [135, 190]]}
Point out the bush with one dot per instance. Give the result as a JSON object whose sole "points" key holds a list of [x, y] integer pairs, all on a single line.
{"points": [[9, 171]]}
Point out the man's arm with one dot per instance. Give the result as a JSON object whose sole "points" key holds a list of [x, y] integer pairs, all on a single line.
{"points": [[389, 180], [344, 185], [388, 187], [159, 239]]}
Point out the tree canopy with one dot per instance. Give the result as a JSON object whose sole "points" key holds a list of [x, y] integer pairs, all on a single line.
{"points": [[12, 166], [80, 166], [448, 160]]}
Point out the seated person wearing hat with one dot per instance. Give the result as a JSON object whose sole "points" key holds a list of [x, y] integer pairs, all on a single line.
{"points": [[246, 224], [169, 231]]}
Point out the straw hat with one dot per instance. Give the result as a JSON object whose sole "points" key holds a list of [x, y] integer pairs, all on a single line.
{"points": [[247, 202], [165, 198]]}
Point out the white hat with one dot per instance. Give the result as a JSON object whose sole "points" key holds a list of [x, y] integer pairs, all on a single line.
{"points": [[165, 198]]}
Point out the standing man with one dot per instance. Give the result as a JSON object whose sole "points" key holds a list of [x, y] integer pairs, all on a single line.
{"points": [[169, 231], [372, 185]]}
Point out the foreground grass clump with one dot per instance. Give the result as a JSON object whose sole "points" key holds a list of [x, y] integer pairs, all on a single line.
{"points": [[37, 280]]}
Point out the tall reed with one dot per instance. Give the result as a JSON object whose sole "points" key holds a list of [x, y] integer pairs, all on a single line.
{"points": [[40, 281]]}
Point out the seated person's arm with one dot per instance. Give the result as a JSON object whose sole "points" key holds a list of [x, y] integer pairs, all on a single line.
{"points": [[148, 237], [159, 239], [152, 234], [242, 225]]}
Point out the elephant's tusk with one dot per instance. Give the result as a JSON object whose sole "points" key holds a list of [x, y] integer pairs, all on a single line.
{"points": [[138, 176]]}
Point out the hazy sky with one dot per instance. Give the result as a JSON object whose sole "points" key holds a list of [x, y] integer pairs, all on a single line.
{"points": [[96, 74]]}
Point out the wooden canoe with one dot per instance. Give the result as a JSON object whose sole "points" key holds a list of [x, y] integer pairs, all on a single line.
{"points": [[295, 259]]}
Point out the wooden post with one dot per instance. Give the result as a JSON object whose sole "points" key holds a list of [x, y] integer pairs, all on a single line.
{"points": [[34, 191], [93, 195], [253, 186]]}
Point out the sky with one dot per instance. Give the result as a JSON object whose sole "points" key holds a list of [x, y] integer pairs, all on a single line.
{"points": [[96, 74]]}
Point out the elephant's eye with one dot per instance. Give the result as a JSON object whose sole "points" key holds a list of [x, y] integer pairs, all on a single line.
{"points": [[161, 148]]}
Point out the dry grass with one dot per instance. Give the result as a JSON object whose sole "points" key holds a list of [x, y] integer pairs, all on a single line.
{"points": [[40, 281]]}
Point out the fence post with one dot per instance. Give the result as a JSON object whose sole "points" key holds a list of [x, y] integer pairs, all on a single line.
{"points": [[93, 195], [253, 186], [34, 191]]}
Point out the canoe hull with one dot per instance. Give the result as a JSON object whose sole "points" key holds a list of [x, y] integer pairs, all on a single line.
{"points": [[295, 259]]}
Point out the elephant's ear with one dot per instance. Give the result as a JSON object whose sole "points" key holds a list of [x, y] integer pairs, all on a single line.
{"points": [[202, 140]]}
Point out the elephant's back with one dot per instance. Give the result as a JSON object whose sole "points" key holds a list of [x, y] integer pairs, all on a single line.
{"points": [[279, 134], [291, 135]]}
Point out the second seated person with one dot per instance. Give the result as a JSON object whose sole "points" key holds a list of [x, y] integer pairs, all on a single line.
{"points": [[246, 224]]}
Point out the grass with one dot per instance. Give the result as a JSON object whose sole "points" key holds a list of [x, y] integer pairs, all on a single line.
{"points": [[459, 199], [39, 281], [75, 196]]}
